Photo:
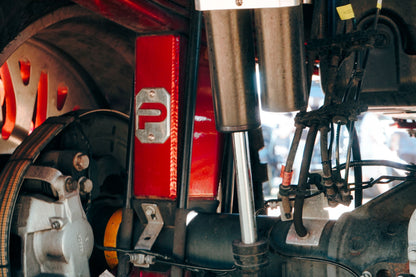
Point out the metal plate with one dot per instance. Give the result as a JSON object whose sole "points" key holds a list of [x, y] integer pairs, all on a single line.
{"points": [[154, 226], [210, 5], [153, 115]]}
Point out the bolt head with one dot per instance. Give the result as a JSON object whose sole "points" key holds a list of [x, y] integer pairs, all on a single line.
{"points": [[85, 185], [56, 225], [81, 162], [70, 185], [150, 211]]}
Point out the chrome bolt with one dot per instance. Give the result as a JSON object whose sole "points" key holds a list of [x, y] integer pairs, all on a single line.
{"points": [[152, 93], [81, 161], [151, 137]]}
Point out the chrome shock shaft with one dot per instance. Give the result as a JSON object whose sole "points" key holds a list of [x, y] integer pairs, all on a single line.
{"points": [[244, 188]]}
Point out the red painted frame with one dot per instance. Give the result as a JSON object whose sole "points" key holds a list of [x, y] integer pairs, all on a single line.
{"points": [[158, 65], [152, 180]]}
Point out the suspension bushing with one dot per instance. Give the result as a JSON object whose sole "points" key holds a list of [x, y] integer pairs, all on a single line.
{"points": [[250, 258]]}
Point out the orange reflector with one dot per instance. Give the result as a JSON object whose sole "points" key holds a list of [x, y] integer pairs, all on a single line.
{"points": [[110, 238]]}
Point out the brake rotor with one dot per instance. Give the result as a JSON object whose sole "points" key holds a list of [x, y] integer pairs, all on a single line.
{"points": [[37, 82]]}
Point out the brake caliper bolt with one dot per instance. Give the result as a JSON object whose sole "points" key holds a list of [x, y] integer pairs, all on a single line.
{"points": [[85, 185], [81, 161], [70, 185]]}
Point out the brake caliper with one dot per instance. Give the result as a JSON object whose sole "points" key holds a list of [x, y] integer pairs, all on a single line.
{"points": [[56, 236]]}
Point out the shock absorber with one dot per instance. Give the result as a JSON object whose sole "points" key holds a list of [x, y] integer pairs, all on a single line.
{"points": [[232, 64], [232, 61], [281, 54]]}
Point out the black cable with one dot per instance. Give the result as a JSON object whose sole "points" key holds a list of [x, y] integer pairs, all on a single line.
{"points": [[303, 177], [331, 141], [388, 179], [387, 163], [352, 77], [337, 158], [358, 172], [197, 268], [293, 199], [166, 259], [364, 185], [326, 261], [350, 142], [169, 261]]}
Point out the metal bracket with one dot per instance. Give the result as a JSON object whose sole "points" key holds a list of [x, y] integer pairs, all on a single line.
{"points": [[210, 5], [58, 182], [154, 226], [315, 229]]}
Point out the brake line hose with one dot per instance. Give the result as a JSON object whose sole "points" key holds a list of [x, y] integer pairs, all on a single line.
{"points": [[303, 178], [287, 172]]}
